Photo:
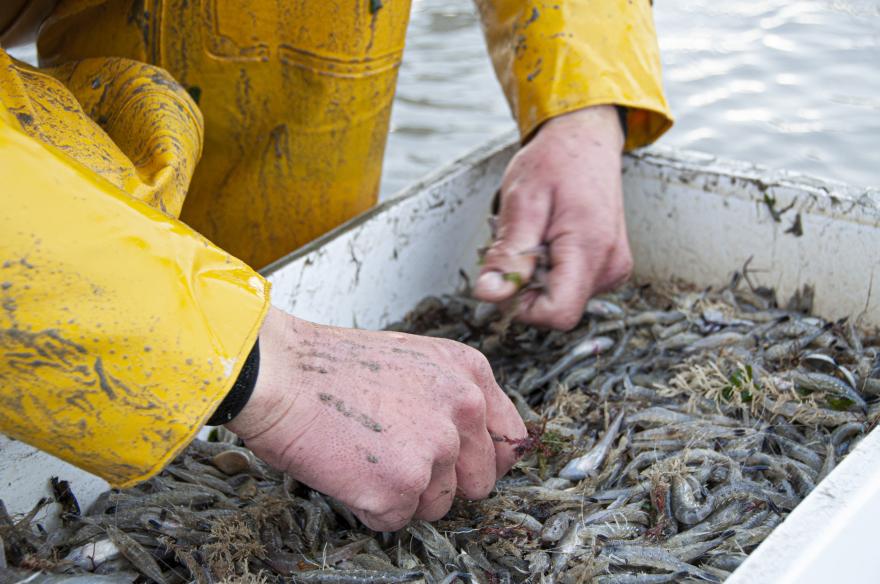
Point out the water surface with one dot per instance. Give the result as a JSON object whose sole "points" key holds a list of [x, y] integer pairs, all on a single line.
{"points": [[787, 84]]}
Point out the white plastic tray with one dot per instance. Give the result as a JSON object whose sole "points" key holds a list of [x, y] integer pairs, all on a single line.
{"points": [[690, 216]]}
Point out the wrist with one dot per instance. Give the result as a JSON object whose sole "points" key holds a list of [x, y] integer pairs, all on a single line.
{"points": [[270, 397], [241, 391], [602, 123]]}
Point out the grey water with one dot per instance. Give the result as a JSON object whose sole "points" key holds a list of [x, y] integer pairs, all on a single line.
{"points": [[787, 84]]}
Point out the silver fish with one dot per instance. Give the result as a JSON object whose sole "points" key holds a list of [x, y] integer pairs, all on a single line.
{"points": [[587, 465]]}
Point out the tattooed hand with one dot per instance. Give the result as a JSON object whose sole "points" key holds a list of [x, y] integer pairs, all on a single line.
{"points": [[392, 425]]}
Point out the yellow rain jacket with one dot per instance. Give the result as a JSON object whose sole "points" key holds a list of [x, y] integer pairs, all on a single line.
{"points": [[121, 327]]}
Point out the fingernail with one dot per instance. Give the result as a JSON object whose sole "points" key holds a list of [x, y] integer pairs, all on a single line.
{"points": [[490, 282]]}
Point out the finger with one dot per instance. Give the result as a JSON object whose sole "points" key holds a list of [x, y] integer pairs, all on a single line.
{"points": [[437, 499], [617, 270], [570, 282], [524, 217], [504, 421], [475, 467], [392, 519], [505, 426]]}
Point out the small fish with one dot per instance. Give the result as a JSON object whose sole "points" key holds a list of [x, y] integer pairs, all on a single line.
{"points": [[522, 520], [650, 317], [788, 349], [28, 577], [453, 576], [357, 576], [797, 451], [436, 544], [672, 330], [728, 561], [750, 537], [91, 555], [684, 504], [812, 381], [136, 554], [633, 513], [587, 465], [844, 433], [658, 415], [555, 526], [712, 316], [604, 309], [680, 485], [719, 340], [539, 562], [652, 557], [691, 552], [816, 415], [610, 530], [204, 480], [630, 578], [589, 347]]}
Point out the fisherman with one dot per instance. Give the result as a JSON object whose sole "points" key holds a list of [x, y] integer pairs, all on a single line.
{"points": [[131, 318]]}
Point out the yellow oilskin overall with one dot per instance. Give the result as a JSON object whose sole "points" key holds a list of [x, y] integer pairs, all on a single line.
{"points": [[121, 326]]}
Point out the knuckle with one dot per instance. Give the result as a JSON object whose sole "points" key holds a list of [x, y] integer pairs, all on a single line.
{"points": [[471, 404], [436, 513], [522, 193], [463, 355], [446, 457], [619, 271], [412, 483], [484, 490], [521, 198], [394, 492], [478, 489], [386, 522], [389, 516], [449, 351], [454, 348], [478, 364], [498, 255], [481, 364], [446, 448], [504, 254], [374, 502], [395, 524]]}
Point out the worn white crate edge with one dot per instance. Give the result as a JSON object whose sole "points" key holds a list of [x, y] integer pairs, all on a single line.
{"points": [[690, 216]]}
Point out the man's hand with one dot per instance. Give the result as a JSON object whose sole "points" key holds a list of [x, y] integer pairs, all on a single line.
{"points": [[392, 425], [563, 189]]}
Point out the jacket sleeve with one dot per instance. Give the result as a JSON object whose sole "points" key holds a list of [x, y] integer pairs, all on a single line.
{"points": [[556, 56], [121, 329]]}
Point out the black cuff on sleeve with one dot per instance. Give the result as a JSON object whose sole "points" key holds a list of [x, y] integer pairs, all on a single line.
{"points": [[241, 391], [621, 113]]}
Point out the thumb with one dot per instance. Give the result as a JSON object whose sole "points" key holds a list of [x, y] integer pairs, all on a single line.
{"points": [[510, 261]]}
